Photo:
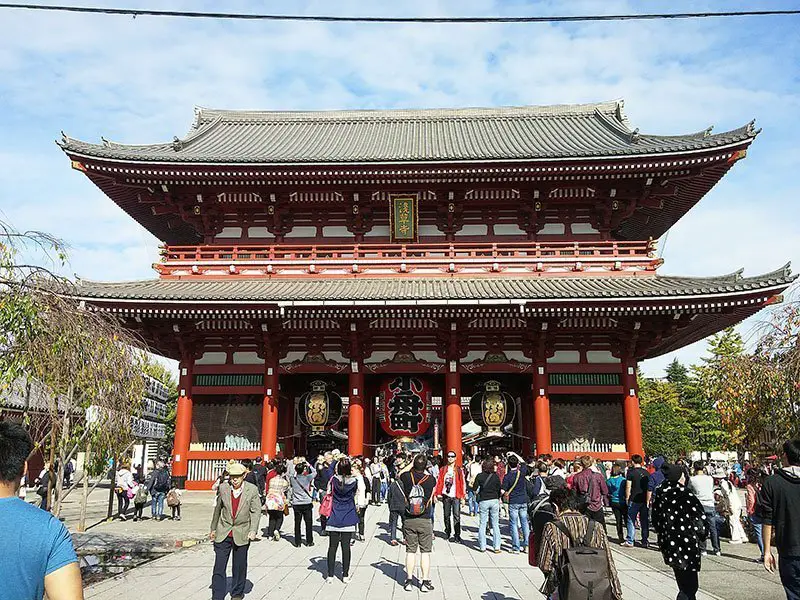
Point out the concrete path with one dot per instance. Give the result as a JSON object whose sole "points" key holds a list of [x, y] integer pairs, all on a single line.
{"points": [[279, 570]]}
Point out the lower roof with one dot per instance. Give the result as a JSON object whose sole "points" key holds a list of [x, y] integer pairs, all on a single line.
{"points": [[431, 290]]}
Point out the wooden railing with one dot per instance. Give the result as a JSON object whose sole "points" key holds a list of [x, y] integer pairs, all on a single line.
{"points": [[428, 259]]}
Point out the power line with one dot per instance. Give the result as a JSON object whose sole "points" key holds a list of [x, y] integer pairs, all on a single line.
{"points": [[135, 12]]}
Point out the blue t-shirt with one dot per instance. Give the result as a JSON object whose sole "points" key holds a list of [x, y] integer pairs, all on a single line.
{"points": [[33, 543], [616, 485]]}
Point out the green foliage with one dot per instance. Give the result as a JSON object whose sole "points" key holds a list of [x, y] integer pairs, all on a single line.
{"points": [[664, 430], [725, 344]]}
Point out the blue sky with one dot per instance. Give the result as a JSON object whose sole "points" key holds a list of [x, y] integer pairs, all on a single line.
{"points": [[138, 80]]}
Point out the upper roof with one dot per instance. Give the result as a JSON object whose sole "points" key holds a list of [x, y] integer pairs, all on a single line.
{"points": [[529, 289], [406, 136]]}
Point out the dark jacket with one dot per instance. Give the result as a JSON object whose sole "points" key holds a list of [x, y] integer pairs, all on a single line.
{"points": [[488, 486], [395, 497], [517, 495], [779, 501], [679, 519], [343, 513]]}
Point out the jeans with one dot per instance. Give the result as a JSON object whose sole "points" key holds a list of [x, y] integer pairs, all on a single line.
{"points": [[758, 527], [713, 521], [302, 512], [394, 515], [789, 570], [335, 539], [452, 506], [219, 582], [384, 489], [687, 584], [157, 504], [472, 502], [489, 511], [637, 508], [518, 514], [123, 503]]}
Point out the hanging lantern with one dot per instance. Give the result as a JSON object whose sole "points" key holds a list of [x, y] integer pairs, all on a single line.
{"points": [[320, 409], [405, 406], [492, 408]]}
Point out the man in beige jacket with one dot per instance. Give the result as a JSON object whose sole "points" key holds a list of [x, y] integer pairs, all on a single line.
{"points": [[236, 519]]}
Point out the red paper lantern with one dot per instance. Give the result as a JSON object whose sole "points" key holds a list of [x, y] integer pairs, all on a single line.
{"points": [[405, 406]]}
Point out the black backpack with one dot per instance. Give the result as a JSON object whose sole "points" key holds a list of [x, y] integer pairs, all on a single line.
{"points": [[161, 481], [583, 571]]}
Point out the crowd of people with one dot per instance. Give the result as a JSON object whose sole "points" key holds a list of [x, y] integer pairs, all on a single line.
{"points": [[555, 513]]}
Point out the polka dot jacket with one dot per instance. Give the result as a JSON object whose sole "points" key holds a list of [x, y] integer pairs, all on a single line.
{"points": [[680, 521]]}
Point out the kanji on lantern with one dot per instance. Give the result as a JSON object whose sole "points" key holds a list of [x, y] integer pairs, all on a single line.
{"points": [[405, 406]]}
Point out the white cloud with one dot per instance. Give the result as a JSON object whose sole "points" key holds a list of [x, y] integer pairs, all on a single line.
{"points": [[137, 81]]}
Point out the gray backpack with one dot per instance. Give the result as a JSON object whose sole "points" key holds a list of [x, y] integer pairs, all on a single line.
{"points": [[583, 571]]}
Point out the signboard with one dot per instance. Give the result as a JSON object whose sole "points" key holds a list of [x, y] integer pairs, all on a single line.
{"points": [[403, 217], [405, 406]]}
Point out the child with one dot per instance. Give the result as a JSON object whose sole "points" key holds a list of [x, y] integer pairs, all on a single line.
{"points": [[139, 501], [396, 500], [174, 502]]}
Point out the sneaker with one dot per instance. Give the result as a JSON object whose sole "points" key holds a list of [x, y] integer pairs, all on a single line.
{"points": [[135, 519], [297, 544], [408, 585], [626, 545], [276, 536], [426, 586], [717, 552], [177, 518], [309, 544], [328, 580], [497, 551], [704, 553], [451, 539], [457, 540], [346, 579], [523, 550], [394, 543]]}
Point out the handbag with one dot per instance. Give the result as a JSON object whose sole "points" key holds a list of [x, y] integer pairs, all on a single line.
{"points": [[286, 510], [326, 506]]}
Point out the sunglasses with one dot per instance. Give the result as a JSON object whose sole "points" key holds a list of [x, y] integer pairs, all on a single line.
{"points": [[451, 456]]}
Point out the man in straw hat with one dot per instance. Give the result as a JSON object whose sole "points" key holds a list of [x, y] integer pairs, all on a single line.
{"points": [[236, 518]]}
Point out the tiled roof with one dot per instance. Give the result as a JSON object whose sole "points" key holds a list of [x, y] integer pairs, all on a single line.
{"points": [[398, 289], [374, 136]]}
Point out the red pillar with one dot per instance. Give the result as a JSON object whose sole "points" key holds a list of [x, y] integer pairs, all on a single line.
{"points": [[183, 423], [630, 411], [355, 413], [541, 411], [452, 411], [269, 410]]}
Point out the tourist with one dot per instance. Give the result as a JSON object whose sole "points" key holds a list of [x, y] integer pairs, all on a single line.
{"points": [[474, 470], [734, 504], [253, 476], [158, 486], [374, 473], [754, 480], [542, 511], [384, 479], [174, 496], [140, 498], [234, 525], [123, 488], [320, 481], [361, 500], [396, 500], [702, 485], [42, 484], [451, 489], [656, 479], [616, 496], [636, 485], [488, 488], [418, 488], [36, 551], [679, 520], [779, 501], [302, 483], [69, 469], [539, 487], [515, 493], [277, 501], [343, 520], [562, 533], [592, 489]]}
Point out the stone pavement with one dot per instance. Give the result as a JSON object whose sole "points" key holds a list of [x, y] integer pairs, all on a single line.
{"points": [[281, 571]]}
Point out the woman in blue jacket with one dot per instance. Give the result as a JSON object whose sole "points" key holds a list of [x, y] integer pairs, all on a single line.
{"points": [[616, 493], [343, 521]]}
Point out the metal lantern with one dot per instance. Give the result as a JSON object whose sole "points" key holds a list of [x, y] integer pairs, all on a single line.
{"points": [[320, 409], [492, 408], [405, 406]]}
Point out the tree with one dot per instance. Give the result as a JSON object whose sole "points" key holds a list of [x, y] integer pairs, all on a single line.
{"points": [[678, 375], [85, 358], [664, 431]]}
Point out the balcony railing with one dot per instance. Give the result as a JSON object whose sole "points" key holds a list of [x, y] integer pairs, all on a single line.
{"points": [[421, 259]]}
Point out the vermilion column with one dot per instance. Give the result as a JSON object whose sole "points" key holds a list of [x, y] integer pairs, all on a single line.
{"points": [[541, 411], [183, 424], [452, 412], [630, 411], [355, 413], [269, 410]]}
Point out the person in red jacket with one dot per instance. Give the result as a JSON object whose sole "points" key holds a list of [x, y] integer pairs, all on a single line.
{"points": [[452, 489]]}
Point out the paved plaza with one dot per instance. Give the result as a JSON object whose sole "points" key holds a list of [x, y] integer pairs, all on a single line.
{"points": [[281, 571]]}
